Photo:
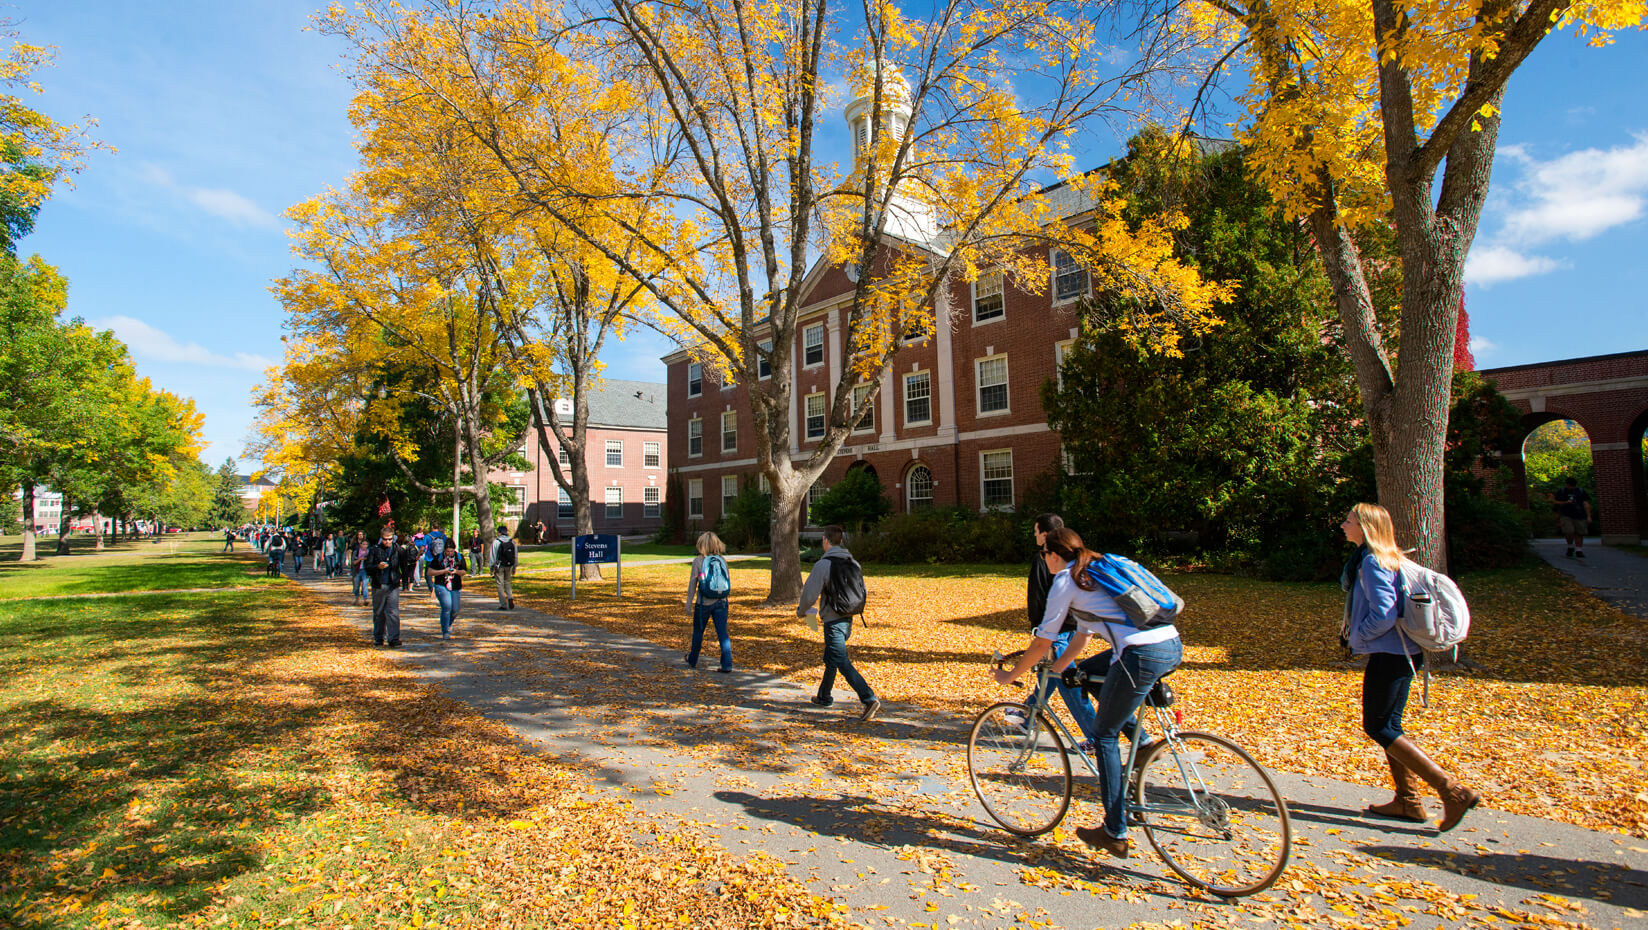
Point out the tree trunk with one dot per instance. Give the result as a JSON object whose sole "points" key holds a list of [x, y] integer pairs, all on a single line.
{"points": [[63, 526], [28, 523], [788, 499], [97, 530]]}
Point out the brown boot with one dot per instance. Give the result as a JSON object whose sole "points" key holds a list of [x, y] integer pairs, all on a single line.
{"points": [[1406, 805], [1456, 798]]}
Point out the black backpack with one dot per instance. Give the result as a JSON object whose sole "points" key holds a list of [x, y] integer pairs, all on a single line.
{"points": [[844, 593], [506, 554]]}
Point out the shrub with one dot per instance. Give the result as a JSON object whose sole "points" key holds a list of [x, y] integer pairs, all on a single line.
{"points": [[748, 521], [858, 500], [1485, 534], [953, 535]]}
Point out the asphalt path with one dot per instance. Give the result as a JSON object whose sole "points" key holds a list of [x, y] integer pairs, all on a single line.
{"points": [[1618, 577], [881, 818]]}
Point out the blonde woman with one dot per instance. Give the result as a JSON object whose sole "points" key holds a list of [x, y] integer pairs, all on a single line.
{"points": [[709, 570], [1373, 598]]}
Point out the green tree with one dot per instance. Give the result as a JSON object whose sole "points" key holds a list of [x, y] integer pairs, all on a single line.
{"points": [[857, 500], [226, 508], [1242, 438]]}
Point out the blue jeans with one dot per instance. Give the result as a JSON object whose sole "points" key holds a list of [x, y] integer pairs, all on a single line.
{"points": [[1074, 699], [1124, 689], [836, 659], [361, 588], [702, 613], [448, 599]]}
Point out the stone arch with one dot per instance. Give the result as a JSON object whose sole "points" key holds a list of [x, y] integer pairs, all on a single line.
{"points": [[1522, 492], [1637, 484]]}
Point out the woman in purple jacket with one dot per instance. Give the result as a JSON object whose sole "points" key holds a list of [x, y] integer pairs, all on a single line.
{"points": [[1372, 583]]}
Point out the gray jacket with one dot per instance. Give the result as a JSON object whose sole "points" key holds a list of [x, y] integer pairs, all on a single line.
{"points": [[816, 579]]}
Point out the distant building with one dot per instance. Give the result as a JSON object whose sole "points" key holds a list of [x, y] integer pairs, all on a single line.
{"points": [[48, 508], [251, 490], [626, 448]]}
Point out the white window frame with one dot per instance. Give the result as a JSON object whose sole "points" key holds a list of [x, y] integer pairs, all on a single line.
{"points": [[1053, 271], [695, 434], [910, 488], [562, 456], [1001, 295], [614, 447], [807, 416], [864, 388], [652, 501], [817, 490], [979, 385], [806, 336], [985, 479], [652, 455], [763, 360], [1060, 350], [515, 500], [729, 435], [727, 499], [695, 379], [695, 498], [615, 497], [563, 504], [924, 373]]}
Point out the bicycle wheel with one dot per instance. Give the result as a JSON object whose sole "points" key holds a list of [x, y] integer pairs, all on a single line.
{"points": [[1020, 773], [1213, 814]]}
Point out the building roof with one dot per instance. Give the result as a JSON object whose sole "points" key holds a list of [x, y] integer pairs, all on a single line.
{"points": [[245, 480], [629, 404]]}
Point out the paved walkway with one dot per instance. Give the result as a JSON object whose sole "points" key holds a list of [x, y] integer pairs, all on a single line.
{"points": [[880, 816], [1620, 578]]}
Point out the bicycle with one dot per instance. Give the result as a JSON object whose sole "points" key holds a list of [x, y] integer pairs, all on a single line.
{"points": [[1210, 811]]}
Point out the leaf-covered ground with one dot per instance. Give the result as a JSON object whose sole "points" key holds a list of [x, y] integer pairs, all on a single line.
{"points": [[1552, 721], [237, 759]]}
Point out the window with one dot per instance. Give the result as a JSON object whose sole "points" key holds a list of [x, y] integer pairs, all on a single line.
{"points": [[812, 342], [695, 379], [563, 407], [695, 437], [861, 403], [514, 501], [916, 327], [562, 457], [563, 506], [729, 491], [918, 398], [651, 499], [992, 384], [815, 416], [763, 360], [996, 479], [615, 503], [651, 455], [813, 494], [861, 135], [729, 431], [615, 453], [695, 497], [918, 488], [1061, 351], [1069, 278], [988, 302]]}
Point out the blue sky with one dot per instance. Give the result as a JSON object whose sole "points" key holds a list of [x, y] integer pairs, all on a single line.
{"points": [[224, 114]]}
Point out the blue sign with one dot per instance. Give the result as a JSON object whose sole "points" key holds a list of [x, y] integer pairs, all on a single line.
{"points": [[596, 547]]}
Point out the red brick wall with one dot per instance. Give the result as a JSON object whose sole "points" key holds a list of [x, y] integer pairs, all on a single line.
{"points": [[542, 493]]}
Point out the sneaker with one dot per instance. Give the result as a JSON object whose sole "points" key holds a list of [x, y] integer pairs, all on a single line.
{"points": [[1570, 553], [394, 644], [688, 662], [1579, 553], [1100, 838], [823, 702], [1086, 747], [724, 671], [870, 710], [1017, 719]]}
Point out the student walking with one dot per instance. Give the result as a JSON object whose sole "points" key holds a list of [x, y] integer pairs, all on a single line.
{"points": [[361, 568], [837, 627], [708, 585], [446, 571], [386, 565], [505, 557], [1573, 512], [1373, 600]]}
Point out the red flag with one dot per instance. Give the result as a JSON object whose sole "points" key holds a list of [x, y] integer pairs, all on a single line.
{"points": [[384, 508]]}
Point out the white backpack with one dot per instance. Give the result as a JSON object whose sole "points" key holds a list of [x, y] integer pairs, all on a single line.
{"points": [[1435, 616]]}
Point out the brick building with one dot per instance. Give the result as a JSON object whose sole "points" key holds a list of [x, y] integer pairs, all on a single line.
{"points": [[628, 459]]}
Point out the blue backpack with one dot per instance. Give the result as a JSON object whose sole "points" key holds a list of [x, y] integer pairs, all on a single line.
{"points": [[714, 584], [1141, 595]]}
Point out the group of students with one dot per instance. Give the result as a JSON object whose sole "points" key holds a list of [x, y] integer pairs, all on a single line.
{"points": [[325, 551], [382, 570]]}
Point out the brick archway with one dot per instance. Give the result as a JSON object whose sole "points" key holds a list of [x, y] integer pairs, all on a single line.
{"points": [[1607, 395]]}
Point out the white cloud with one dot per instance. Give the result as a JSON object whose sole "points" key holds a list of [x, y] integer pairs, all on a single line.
{"points": [[1488, 266], [147, 342], [1480, 346], [1580, 194], [219, 202]]}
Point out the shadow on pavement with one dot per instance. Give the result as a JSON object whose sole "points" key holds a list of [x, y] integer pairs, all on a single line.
{"points": [[1616, 885]]}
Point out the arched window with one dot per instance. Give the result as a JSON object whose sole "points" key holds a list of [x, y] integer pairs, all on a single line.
{"points": [[918, 488]]}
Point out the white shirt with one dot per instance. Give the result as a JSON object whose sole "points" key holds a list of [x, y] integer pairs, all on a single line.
{"points": [[1064, 596]]}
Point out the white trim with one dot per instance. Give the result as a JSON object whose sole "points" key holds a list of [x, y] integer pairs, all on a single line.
{"points": [[972, 302], [700, 391], [700, 453], [725, 498], [700, 514], [1060, 350], [658, 453], [606, 452], [978, 385], [823, 345], [1002, 431], [724, 415], [1011, 474], [768, 343], [859, 427], [945, 364], [608, 501], [807, 436], [652, 510], [904, 389], [706, 466], [1053, 279], [889, 412]]}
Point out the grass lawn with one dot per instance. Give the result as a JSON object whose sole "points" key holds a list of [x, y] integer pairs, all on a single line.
{"points": [[1553, 721], [176, 561], [559, 555], [1634, 550], [237, 758]]}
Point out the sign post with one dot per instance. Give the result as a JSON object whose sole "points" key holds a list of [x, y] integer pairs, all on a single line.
{"points": [[597, 548]]}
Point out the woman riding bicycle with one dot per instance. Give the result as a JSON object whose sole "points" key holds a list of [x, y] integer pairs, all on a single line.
{"points": [[1142, 657]]}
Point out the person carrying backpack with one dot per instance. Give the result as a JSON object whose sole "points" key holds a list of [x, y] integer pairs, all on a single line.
{"points": [[836, 585], [505, 557], [1372, 581], [708, 585], [1140, 655]]}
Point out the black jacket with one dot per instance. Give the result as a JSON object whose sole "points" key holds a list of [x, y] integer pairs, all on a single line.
{"points": [[384, 577], [1035, 595]]}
